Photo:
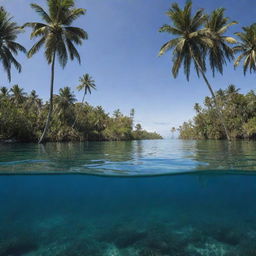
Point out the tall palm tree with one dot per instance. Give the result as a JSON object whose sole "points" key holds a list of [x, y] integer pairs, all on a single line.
{"points": [[87, 84], [8, 45], [247, 48], [196, 38], [58, 37], [18, 94]]}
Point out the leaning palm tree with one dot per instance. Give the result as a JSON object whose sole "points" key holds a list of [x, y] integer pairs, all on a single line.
{"points": [[8, 45], [196, 38], [87, 84], [247, 48], [58, 37]]}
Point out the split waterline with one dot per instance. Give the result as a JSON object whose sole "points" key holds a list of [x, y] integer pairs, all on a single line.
{"points": [[200, 198]]}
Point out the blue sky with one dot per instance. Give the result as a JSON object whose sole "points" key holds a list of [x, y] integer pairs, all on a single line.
{"points": [[121, 55]]}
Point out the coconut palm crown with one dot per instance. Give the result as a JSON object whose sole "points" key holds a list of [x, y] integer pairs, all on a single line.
{"points": [[190, 42], [196, 37], [57, 34], [247, 48], [9, 31], [220, 52], [87, 84]]}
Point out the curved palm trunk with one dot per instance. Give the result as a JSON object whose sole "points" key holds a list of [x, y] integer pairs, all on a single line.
{"points": [[215, 100], [51, 102], [73, 125]]}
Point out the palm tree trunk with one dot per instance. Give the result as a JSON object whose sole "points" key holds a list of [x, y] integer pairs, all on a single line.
{"points": [[73, 125], [215, 100], [51, 102], [217, 106]]}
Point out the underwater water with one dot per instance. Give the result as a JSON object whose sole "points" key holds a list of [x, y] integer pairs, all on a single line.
{"points": [[140, 198]]}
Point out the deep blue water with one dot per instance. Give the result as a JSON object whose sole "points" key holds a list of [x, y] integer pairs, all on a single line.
{"points": [[208, 208]]}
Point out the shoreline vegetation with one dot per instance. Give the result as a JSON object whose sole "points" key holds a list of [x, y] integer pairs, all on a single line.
{"points": [[22, 118], [239, 111], [197, 39]]}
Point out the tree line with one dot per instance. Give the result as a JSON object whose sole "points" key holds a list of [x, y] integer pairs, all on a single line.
{"points": [[239, 111], [22, 118], [197, 39]]}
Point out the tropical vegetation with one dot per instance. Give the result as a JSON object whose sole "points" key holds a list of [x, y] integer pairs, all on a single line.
{"points": [[58, 37], [9, 31], [239, 111], [22, 118], [198, 38]]}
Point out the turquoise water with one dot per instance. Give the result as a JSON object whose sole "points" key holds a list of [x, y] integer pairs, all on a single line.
{"points": [[142, 198]]}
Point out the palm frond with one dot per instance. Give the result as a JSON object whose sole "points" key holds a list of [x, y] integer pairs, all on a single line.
{"points": [[73, 15], [41, 12], [36, 47]]}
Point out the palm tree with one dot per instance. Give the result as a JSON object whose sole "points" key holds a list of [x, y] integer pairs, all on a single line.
{"points": [[4, 91], [232, 89], [18, 94], [58, 37], [197, 37], [64, 100], [8, 45], [173, 130], [33, 102], [87, 84], [247, 48], [219, 51]]}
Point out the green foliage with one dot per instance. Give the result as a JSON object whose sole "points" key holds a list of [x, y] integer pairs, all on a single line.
{"points": [[197, 37], [22, 118], [140, 134], [57, 34], [9, 31], [239, 112], [246, 48], [250, 128]]}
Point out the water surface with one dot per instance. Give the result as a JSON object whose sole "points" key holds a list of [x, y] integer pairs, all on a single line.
{"points": [[136, 158], [208, 208]]}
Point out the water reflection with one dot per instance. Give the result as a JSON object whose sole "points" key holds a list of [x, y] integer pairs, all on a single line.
{"points": [[128, 158], [221, 155]]}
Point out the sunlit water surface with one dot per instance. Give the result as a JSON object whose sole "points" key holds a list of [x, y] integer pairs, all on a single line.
{"points": [[141, 198]]}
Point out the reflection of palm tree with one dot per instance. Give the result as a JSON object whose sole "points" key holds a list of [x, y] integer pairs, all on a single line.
{"points": [[87, 84], [196, 37], [8, 47], [59, 38]]}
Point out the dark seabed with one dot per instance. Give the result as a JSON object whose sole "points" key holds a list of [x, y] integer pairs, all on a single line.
{"points": [[204, 204]]}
